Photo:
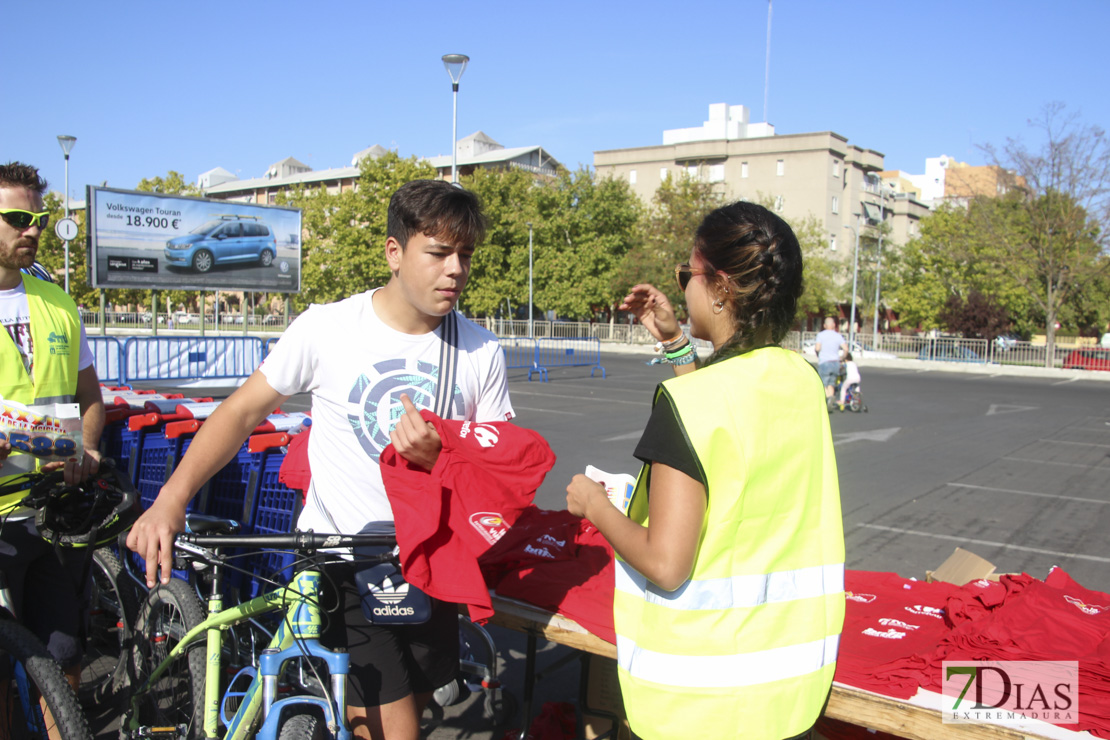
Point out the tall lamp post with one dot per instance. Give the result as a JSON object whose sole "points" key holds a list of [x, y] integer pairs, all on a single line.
{"points": [[855, 278], [455, 65], [530, 333], [67, 143], [879, 265]]}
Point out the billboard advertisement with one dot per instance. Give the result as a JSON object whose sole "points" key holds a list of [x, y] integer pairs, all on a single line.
{"points": [[171, 242]]}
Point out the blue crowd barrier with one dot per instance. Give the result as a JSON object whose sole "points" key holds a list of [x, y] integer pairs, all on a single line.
{"points": [[567, 352], [270, 344], [107, 359], [190, 358]]}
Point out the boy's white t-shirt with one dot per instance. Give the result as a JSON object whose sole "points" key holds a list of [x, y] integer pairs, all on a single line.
{"points": [[356, 368]]}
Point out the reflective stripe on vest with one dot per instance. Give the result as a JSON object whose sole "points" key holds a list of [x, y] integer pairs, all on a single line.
{"points": [[747, 647], [738, 591], [724, 671]]}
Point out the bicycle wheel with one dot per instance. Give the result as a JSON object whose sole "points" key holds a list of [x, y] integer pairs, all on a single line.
{"points": [[176, 699], [27, 672], [303, 727], [857, 400], [113, 608]]}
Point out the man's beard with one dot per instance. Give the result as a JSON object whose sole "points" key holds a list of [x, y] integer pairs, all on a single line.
{"points": [[11, 259]]}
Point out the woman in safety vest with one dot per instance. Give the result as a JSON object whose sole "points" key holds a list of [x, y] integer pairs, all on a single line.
{"points": [[729, 593]]}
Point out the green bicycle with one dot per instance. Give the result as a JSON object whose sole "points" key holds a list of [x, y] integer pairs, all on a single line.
{"points": [[179, 690]]}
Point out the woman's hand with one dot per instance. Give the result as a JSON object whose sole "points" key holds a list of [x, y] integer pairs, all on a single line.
{"points": [[653, 310], [583, 494]]}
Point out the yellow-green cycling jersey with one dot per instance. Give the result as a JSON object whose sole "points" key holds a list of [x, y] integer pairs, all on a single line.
{"points": [[56, 339], [747, 646]]}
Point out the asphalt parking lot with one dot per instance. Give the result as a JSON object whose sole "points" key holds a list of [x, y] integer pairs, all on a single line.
{"points": [[1015, 469]]}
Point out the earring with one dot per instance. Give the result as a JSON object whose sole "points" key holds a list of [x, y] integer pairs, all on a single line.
{"points": [[719, 306]]}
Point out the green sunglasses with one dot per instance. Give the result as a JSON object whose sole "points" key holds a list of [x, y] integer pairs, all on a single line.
{"points": [[21, 219]]}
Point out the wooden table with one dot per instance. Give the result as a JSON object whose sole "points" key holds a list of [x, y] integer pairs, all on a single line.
{"points": [[847, 703]]}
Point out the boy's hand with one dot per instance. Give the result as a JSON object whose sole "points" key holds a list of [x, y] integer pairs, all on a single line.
{"points": [[414, 439]]}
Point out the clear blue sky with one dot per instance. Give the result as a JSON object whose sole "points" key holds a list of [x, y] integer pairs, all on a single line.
{"points": [[147, 87]]}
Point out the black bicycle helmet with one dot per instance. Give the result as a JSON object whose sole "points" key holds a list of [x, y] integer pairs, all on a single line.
{"points": [[91, 514]]}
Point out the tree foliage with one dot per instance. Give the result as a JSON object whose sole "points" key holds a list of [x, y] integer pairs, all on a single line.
{"points": [[977, 317], [343, 252], [1061, 233]]}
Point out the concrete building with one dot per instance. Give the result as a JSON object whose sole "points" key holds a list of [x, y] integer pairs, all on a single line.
{"points": [[948, 180], [818, 174], [477, 151]]}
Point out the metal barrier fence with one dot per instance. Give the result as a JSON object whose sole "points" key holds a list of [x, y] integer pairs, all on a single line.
{"points": [[539, 355], [567, 352], [107, 359], [190, 358], [948, 349]]}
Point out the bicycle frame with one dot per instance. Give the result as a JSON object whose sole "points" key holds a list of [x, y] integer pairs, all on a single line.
{"points": [[297, 636]]}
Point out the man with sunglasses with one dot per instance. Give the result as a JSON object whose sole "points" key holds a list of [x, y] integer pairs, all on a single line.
{"points": [[44, 358]]}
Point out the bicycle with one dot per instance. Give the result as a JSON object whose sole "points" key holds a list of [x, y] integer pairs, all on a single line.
{"points": [[178, 652], [37, 699]]}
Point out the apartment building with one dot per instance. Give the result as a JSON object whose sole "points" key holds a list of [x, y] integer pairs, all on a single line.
{"points": [[819, 174], [948, 180], [477, 151]]}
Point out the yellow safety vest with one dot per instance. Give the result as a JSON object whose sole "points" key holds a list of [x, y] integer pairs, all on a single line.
{"points": [[56, 339], [746, 648]]}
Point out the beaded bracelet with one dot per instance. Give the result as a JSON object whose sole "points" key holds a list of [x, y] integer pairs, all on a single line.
{"points": [[683, 356]]}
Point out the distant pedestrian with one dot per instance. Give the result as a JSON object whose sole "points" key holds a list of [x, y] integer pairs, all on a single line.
{"points": [[830, 347]]}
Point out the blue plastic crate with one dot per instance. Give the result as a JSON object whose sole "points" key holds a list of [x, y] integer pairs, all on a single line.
{"points": [[274, 508]]}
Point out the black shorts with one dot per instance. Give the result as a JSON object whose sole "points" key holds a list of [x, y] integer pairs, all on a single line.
{"points": [[390, 662], [44, 590]]}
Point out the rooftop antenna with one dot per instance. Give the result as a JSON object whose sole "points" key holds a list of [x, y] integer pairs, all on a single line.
{"points": [[767, 66]]}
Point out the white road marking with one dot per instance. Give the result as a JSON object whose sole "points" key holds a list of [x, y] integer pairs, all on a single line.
{"points": [[1066, 442], [549, 411], [989, 543], [1051, 462], [1029, 493]]}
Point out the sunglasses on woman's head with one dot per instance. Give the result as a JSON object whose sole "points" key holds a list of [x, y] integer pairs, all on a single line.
{"points": [[20, 219], [683, 273]]}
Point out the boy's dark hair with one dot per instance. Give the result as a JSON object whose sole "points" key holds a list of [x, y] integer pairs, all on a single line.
{"points": [[436, 208], [847, 356], [19, 175]]}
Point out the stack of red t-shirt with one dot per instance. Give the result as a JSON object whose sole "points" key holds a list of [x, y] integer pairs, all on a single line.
{"points": [[1056, 620], [558, 562], [888, 619]]}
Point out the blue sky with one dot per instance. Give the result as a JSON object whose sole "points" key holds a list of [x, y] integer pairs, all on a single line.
{"points": [[147, 87]]}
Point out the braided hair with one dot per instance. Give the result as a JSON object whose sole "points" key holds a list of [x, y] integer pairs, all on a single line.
{"points": [[761, 262]]}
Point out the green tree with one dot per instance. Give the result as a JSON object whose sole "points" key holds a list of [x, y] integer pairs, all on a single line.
{"points": [[586, 227], [499, 269], [172, 184], [667, 235], [1064, 216], [344, 246]]}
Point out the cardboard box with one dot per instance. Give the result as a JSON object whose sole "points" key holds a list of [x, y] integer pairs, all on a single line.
{"points": [[963, 566]]}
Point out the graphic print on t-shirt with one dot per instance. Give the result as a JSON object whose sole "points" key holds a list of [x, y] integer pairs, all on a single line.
{"points": [[376, 403]]}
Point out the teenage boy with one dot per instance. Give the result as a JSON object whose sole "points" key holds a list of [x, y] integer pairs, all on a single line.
{"points": [[370, 361]]}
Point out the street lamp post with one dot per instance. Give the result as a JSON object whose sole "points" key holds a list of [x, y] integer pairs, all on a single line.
{"points": [[67, 142], [455, 65], [879, 265], [855, 279], [530, 333]]}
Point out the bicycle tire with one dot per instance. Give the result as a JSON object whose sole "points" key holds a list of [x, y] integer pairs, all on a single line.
{"points": [[19, 644], [177, 697], [857, 401], [303, 727], [113, 609]]}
